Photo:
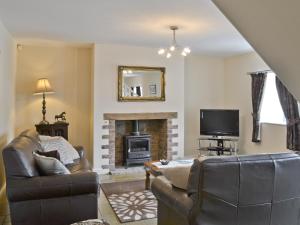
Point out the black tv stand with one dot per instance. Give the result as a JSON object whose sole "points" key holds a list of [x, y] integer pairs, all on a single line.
{"points": [[219, 150], [217, 144]]}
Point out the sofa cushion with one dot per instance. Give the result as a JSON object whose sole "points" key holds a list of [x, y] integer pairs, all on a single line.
{"points": [[49, 165], [53, 154], [18, 159], [66, 151]]}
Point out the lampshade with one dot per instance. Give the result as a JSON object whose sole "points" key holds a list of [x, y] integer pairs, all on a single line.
{"points": [[43, 86]]}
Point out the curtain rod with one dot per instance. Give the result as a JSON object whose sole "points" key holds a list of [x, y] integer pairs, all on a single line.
{"points": [[260, 71]]}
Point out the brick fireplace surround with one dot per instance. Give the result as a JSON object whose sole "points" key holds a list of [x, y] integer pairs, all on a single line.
{"points": [[161, 126]]}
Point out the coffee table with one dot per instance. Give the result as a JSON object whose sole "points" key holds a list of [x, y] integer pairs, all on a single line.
{"points": [[151, 169]]}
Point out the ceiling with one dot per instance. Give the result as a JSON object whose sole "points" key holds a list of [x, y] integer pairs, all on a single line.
{"points": [[132, 22], [274, 33]]}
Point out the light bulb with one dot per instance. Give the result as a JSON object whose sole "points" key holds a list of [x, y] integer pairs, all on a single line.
{"points": [[183, 53], [130, 71], [172, 48], [161, 51], [187, 50], [125, 71], [169, 55]]}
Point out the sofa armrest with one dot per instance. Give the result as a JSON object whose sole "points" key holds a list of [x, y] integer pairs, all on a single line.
{"points": [[43, 187], [80, 150], [173, 197]]}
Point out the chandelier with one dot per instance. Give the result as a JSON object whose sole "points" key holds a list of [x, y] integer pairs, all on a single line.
{"points": [[174, 48]]}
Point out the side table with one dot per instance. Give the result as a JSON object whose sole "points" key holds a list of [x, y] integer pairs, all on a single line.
{"points": [[54, 129]]}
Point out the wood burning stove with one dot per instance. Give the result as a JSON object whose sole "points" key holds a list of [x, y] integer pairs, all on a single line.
{"points": [[136, 146]]}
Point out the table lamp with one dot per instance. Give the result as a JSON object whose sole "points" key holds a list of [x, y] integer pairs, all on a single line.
{"points": [[43, 87]]}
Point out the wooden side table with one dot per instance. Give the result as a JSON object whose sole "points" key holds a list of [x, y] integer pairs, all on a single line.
{"points": [[55, 129]]}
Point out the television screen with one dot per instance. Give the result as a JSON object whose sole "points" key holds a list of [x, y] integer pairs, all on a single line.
{"points": [[219, 122]]}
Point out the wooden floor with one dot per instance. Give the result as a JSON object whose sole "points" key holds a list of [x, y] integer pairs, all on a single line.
{"points": [[105, 210]]}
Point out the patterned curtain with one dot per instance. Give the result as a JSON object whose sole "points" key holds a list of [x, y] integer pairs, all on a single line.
{"points": [[258, 83], [291, 111]]}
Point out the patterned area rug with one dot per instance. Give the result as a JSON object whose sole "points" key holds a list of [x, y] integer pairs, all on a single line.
{"points": [[134, 206], [137, 204], [92, 222]]}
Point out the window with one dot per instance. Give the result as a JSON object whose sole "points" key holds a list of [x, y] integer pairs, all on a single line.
{"points": [[271, 110]]}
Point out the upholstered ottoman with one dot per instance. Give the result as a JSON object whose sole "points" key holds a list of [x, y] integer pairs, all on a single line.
{"points": [[92, 222]]}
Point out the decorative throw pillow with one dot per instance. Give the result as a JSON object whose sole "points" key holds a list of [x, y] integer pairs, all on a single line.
{"points": [[45, 137], [50, 166], [66, 151], [53, 154]]}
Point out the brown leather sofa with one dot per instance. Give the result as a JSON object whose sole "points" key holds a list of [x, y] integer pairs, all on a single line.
{"points": [[247, 190], [47, 200]]}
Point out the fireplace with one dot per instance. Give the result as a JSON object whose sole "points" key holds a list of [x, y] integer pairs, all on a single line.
{"points": [[156, 131], [136, 147]]}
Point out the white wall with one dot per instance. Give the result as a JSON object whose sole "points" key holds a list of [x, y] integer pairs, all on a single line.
{"points": [[68, 69], [195, 83], [238, 95], [204, 88], [7, 79], [212, 82], [272, 28], [106, 61]]}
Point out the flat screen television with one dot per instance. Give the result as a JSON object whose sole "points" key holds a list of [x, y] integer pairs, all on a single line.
{"points": [[219, 122]]}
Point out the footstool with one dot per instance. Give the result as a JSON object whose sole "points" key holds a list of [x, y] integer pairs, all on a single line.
{"points": [[92, 222]]}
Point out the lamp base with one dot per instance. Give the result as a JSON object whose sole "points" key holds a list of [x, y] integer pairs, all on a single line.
{"points": [[44, 122]]}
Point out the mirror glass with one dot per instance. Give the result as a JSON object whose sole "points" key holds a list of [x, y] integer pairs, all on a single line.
{"points": [[141, 83]]}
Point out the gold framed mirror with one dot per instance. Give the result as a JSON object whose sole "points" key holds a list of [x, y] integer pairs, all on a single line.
{"points": [[140, 83]]}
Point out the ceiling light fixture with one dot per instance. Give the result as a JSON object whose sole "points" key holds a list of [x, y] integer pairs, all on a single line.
{"points": [[174, 46]]}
